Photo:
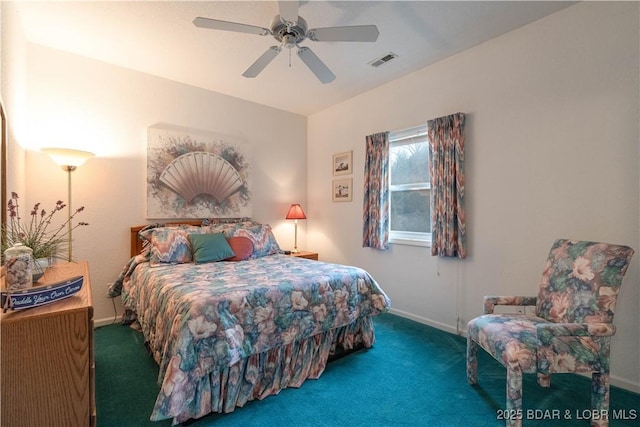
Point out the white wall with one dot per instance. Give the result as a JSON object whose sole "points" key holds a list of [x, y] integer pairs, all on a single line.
{"points": [[82, 103], [13, 46], [551, 151]]}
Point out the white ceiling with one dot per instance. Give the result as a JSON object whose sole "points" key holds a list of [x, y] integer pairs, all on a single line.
{"points": [[158, 37]]}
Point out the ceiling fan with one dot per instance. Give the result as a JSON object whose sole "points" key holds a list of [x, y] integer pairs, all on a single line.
{"points": [[290, 30]]}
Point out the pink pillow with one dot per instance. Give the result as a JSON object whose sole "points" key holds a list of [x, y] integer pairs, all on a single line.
{"points": [[242, 247]]}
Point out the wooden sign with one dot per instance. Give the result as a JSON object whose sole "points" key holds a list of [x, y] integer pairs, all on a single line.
{"points": [[40, 295]]}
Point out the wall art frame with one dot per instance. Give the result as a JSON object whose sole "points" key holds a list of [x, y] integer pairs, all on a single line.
{"points": [[342, 190], [196, 174], [343, 163]]}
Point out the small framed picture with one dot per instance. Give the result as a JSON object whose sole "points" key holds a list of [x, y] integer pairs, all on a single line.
{"points": [[342, 163], [342, 190]]}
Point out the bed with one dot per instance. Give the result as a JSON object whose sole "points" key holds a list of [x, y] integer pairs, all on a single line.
{"points": [[237, 328]]}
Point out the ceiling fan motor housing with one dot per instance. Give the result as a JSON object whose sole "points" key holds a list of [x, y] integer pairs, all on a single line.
{"points": [[289, 35]]}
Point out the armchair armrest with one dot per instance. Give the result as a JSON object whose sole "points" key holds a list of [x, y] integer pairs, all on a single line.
{"points": [[547, 331], [491, 301]]}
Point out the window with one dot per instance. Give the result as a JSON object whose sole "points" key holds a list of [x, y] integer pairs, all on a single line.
{"points": [[410, 187]]}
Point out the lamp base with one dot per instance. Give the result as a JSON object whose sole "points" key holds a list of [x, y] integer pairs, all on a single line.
{"points": [[295, 251]]}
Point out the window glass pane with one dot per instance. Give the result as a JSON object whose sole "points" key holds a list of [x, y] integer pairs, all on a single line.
{"points": [[410, 211], [409, 163], [409, 184]]}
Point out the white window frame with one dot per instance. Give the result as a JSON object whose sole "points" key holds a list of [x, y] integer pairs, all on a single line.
{"points": [[408, 237]]}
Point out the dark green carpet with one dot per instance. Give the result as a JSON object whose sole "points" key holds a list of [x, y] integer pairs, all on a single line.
{"points": [[414, 376]]}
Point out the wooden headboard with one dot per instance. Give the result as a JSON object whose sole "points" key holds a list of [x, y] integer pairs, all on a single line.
{"points": [[136, 244]]}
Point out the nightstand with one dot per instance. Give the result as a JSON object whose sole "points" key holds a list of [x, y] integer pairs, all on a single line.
{"points": [[307, 255]]}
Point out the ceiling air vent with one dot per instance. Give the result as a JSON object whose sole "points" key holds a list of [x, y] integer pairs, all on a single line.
{"points": [[383, 59]]}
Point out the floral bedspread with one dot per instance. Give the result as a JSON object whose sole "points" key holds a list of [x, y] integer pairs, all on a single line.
{"points": [[201, 317]]}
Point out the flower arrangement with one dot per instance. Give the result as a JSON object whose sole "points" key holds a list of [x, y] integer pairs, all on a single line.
{"points": [[35, 232]]}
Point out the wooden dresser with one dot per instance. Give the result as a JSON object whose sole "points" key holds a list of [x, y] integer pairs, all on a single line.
{"points": [[46, 358]]}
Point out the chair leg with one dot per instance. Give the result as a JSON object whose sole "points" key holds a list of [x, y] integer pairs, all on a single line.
{"points": [[600, 399], [472, 361], [514, 397]]}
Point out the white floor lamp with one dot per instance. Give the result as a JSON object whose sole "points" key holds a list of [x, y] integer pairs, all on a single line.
{"points": [[69, 160]]}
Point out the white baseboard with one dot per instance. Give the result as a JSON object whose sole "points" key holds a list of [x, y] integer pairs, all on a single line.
{"points": [[424, 320], [615, 380], [106, 321], [625, 384]]}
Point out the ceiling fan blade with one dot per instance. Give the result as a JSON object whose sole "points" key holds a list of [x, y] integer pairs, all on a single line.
{"points": [[322, 72], [288, 11], [357, 33], [262, 62], [214, 24]]}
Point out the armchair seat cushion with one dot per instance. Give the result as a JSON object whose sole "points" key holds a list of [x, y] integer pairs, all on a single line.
{"points": [[510, 338]]}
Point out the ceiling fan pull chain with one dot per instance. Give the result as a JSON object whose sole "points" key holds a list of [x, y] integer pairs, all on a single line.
{"points": [[289, 58]]}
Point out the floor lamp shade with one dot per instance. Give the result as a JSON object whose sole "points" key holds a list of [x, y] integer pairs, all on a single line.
{"points": [[68, 157], [69, 160], [295, 213]]}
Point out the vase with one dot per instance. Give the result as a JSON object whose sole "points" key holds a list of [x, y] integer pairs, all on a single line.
{"points": [[18, 267], [40, 265]]}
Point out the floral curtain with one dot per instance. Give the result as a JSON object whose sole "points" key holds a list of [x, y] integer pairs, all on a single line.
{"points": [[446, 150], [375, 215]]}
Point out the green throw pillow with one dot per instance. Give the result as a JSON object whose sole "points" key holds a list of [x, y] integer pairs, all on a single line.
{"points": [[210, 247]]}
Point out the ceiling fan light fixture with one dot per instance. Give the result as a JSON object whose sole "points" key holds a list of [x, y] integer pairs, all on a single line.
{"points": [[289, 41]]}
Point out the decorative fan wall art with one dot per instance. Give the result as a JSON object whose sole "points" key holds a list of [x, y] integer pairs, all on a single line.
{"points": [[193, 174], [196, 174]]}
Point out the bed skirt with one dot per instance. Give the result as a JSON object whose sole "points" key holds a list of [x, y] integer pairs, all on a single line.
{"points": [[261, 375]]}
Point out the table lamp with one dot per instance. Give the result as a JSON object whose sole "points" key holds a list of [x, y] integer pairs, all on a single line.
{"points": [[295, 213]]}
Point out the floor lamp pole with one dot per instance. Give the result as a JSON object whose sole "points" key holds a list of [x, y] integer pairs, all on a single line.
{"points": [[69, 169]]}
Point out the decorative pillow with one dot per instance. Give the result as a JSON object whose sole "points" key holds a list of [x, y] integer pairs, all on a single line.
{"points": [[147, 232], [242, 246], [228, 228], [170, 246], [210, 247], [264, 242], [228, 221]]}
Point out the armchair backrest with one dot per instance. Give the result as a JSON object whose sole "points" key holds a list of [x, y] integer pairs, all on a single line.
{"points": [[581, 281]]}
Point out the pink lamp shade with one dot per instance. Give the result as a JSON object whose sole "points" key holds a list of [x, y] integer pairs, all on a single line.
{"points": [[296, 212]]}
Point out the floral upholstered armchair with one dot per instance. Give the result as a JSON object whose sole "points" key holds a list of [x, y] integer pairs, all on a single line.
{"points": [[570, 331]]}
